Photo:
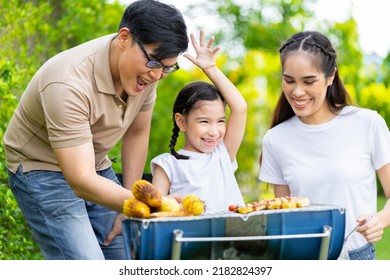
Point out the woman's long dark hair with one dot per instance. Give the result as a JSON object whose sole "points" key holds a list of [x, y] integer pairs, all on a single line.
{"points": [[187, 100]]}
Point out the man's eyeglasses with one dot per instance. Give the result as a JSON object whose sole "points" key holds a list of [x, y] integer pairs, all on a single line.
{"points": [[154, 64]]}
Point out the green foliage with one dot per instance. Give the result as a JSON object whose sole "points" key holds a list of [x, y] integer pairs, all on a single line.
{"points": [[386, 70], [260, 24], [344, 37], [8, 102], [376, 97], [16, 242]]}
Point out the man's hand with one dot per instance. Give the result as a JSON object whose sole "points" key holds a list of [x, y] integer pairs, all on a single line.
{"points": [[116, 229]]}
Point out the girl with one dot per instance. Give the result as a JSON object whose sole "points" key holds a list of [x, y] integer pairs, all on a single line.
{"points": [[321, 147], [206, 164]]}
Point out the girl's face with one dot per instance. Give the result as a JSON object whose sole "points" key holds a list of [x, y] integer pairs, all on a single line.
{"points": [[204, 126], [304, 86]]}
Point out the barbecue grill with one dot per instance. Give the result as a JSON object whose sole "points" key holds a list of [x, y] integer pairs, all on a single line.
{"points": [[313, 232]]}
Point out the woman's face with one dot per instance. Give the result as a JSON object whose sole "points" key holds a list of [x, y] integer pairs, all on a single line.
{"points": [[304, 86]]}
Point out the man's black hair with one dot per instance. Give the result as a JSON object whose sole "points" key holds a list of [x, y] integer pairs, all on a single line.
{"points": [[151, 22]]}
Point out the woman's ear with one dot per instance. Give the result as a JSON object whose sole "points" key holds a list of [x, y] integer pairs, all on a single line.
{"points": [[180, 121], [331, 77]]}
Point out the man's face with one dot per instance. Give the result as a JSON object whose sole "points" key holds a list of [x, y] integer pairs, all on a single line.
{"points": [[134, 74]]}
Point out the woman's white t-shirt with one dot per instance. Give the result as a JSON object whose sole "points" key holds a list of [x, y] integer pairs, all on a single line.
{"points": [[332, 163]]}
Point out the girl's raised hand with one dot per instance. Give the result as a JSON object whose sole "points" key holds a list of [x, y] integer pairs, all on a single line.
{"points": [[205, 54]]}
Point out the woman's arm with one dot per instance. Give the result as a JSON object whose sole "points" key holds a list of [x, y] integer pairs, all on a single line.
{"points": [[373, 229], [281, 190], [384, 177]]}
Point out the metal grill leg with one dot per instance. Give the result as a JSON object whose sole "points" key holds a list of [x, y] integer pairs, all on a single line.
{"points": [[324, 249], [176, 244]]}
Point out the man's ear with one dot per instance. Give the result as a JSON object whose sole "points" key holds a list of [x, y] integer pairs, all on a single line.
{"points": [[180, 121], [124, 37]]}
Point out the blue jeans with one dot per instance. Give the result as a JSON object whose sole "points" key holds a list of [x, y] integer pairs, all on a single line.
{"points": [[367, 252], [64, 225]]}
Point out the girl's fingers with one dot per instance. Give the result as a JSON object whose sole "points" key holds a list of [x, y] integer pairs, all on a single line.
{"points": [[193, 41], [201, 37], [201, 42], [190, 57], [216, 49], [211, 41]]}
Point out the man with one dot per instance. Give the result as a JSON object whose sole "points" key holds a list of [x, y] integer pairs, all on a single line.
{"points": [[75, 109]]}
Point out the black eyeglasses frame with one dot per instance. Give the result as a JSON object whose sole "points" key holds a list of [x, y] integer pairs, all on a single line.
{"points": [[154, 64]]}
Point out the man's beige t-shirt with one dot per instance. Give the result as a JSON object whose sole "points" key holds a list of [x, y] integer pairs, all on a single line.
{"points": [[70, 101]]}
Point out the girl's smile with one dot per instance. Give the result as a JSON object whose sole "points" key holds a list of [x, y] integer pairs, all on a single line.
{"points": [[204, 126]]}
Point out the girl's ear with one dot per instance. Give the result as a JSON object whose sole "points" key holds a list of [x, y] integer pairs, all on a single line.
{"points": [[180, 121]]}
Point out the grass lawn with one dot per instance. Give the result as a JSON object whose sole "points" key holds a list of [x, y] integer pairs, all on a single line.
{"points": [[383, 246]]}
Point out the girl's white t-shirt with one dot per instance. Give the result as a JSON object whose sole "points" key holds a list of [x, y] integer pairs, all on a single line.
{"points": [[332, 163], [208, 175]]}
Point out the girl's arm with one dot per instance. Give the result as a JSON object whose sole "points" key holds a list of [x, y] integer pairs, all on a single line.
{"points": [[206, 60], [160, 180]]}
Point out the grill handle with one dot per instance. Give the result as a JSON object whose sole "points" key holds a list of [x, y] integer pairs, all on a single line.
{"points": [[178, 239]]}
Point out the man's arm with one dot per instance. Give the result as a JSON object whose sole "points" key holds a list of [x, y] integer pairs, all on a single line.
{"points": [[78, 166], [135, 144]]}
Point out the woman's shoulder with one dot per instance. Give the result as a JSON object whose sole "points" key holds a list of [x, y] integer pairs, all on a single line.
{"points": [[365, 117], [365, 113], [284, 127]]}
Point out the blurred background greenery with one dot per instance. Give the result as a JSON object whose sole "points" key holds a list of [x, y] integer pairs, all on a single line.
{"points": [[33, 31]]}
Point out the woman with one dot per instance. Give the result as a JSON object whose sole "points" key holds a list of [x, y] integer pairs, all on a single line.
{"points": [[322, 147]]}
